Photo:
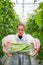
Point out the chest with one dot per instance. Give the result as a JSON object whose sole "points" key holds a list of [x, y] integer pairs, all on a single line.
{"points": [[23, 40]]}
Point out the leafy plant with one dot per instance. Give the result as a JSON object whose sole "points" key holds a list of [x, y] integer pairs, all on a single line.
{"points": [[8, 20], [34, 26]]}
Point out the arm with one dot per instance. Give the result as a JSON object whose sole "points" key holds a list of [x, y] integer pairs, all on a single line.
{"points": [[5, 43], [36, 48], [4, 48]]}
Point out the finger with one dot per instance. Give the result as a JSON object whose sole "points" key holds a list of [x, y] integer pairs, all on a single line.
{"points": [[6, 43], [10, 55]]}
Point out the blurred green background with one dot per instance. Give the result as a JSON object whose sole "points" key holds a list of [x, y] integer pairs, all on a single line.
{"points": [[9, 21], [34, 26]]}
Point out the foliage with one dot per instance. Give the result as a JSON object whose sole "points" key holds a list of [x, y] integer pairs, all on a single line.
{"points": [[34, 26], [0, 62], [8, 20]]}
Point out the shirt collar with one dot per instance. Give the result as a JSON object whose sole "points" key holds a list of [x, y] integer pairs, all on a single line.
{"points": [[22, 35]]}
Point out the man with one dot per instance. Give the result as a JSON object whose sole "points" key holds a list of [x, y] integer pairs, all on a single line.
{"points": [[20, 37]]}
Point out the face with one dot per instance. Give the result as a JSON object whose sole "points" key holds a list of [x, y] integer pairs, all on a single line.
{"points": [[20, 30]]}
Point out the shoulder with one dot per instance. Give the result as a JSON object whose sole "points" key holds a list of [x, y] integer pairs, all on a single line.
{"points": [[28, 36], [8, 37], [37, 41], [12, 35]]}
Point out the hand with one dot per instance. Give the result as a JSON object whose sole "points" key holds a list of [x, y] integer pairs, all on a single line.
{"points": [[33, 53], [9, 54], [6, 52], [6, 42]]}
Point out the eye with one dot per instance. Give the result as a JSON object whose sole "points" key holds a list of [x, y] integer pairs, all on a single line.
{"points": [[19, 29], [22, 30]]}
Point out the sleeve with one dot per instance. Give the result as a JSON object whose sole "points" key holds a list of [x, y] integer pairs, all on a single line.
{"points": [[29, 38], [37, 41], [5, 38]]}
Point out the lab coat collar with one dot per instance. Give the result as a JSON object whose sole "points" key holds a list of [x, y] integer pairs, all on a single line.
{"points": [[22, 35]]}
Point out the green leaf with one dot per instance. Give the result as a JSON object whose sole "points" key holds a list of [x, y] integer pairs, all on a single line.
{"points": [[38, 20]]}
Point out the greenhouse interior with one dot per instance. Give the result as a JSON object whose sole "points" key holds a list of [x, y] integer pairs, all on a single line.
{"points": [[30, 14]]}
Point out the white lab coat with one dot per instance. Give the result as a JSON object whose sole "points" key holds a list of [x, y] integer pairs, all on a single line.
{"points": [[18, 59]]}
